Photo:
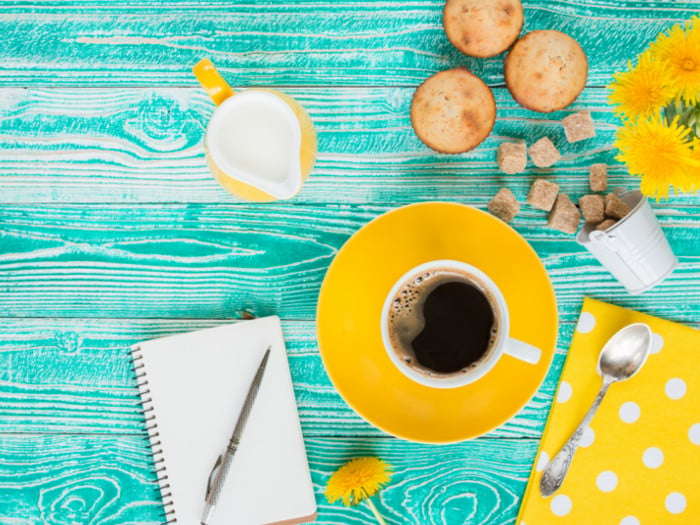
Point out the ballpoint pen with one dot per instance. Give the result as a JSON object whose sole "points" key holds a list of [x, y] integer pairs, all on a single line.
{"points": [[221, 468]]}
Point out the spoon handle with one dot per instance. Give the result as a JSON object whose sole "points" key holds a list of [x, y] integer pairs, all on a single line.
{"points": [[554, 473]]}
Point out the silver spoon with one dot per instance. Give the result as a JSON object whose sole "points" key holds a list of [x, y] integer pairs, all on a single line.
{"points": [[621, 357]]}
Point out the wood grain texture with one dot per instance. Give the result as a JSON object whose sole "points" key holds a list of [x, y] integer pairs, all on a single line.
{"points": [[69, 480], [112, 230], [624, 7], [213, 261], [306, 43], [477, 482], [145, 145], [107, 480], [73, 376]]}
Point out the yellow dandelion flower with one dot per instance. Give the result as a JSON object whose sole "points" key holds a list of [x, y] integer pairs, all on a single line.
{"points": [[680, 49], [643, 90], [659, 153], [358, 479], [694, 174]]}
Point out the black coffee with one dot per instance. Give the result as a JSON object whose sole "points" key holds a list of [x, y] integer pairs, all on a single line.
{"points": [[442, 322]]}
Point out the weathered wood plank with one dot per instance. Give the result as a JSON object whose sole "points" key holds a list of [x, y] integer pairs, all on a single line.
{"points": [[105, 480], [212, 261], [77, 479], [310, 43], [154, 264], [628, 7], [145, 145], [478, 482], [73, 376]]}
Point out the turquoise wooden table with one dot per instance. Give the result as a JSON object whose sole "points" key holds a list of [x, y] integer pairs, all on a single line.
{"points": [[113, 231]]}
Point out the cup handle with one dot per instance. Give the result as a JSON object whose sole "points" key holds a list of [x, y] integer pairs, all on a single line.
{"points": [[523, 351], [212, 81]]}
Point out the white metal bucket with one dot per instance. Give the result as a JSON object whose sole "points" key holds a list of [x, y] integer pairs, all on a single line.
{"points": [[635, 250]]}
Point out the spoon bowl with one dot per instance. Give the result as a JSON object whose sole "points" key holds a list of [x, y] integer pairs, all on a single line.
{"points": [[621, 358], [625, 352]]}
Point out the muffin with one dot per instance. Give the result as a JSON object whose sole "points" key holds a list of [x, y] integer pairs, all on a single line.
{"points": [[546, 70], [482, 28], [453, 111]]}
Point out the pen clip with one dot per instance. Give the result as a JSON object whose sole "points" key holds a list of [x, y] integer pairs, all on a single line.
{"points": [[211, 476]]}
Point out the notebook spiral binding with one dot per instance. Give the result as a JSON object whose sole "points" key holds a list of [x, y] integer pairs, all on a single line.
{"points": [[153, 438]]}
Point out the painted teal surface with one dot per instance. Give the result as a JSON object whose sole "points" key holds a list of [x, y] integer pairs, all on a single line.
{"points": [[145, 145], [360, 43], [112, 230]]}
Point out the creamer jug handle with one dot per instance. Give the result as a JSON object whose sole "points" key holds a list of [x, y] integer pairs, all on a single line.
{"points": [[212, 81]]}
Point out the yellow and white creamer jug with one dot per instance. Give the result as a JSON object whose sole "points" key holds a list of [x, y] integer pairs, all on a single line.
{"points": [[260, 144]]}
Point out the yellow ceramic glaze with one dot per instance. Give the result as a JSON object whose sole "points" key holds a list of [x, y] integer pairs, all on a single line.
{"points": [[349, 311], [212, 81], [219, 90]]}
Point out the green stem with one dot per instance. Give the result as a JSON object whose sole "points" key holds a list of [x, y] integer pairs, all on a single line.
{"points": [[375, 512]]}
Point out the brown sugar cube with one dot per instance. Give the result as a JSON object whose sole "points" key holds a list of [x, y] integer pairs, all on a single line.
{"points": [[578, 126], [607, 223], [512, 157], [592, 208], [542, 194], [564, 215], [544, 153], [598, 177], [615, 207], [504, 205]]}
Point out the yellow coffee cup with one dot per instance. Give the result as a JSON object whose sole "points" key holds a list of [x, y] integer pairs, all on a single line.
{"points": [[260, 144]]}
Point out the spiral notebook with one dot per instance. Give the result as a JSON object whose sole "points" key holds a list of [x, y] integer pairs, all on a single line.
{"points": [[192, 388]]}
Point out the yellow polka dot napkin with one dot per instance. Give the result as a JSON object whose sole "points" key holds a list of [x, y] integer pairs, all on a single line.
{"points": [[639, 464]]}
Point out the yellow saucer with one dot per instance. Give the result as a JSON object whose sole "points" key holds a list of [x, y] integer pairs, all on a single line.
{"points": [[350, 305]]}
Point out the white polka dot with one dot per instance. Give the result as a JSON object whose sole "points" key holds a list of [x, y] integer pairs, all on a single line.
{"points": [[542, 461], [587, 438], [629, 412], [675, 503], [586, 323], [657, 343], [653, 457], [675, 388], [694, 434], [564, 392], [629, 520], [607, 481], [560, 505]]}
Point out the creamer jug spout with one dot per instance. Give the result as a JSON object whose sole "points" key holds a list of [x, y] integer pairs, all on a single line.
{"points": [[260, 144]]}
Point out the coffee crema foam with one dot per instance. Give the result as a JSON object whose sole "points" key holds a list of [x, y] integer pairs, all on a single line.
{"points": [[407, 322]]}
